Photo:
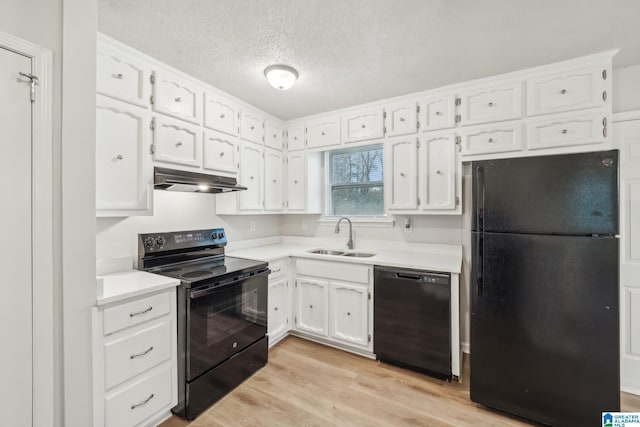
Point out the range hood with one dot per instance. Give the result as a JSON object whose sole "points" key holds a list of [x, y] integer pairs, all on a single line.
{"points": [[192, 182]]}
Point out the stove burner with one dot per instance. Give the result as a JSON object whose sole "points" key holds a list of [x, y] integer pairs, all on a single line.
{"points": [[194, 274]]}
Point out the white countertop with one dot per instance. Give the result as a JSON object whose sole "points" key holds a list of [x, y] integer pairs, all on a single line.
{"points": [[127, 284], [444, 258]]}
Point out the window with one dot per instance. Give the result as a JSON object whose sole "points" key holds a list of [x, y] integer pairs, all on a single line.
{"points": [[356, 182]]}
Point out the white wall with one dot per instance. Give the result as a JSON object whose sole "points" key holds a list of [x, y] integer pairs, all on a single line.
{"points": [[173, 211], [626, 89]]}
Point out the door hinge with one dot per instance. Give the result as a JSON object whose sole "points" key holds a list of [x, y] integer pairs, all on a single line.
{"points": [[152, 125], [295, 320], [369, 295], [33, 81], [384, 130], [152, 79], [604, 74], [152, 100], [152, 149], [369, 338], [384, 114], [457, 200], [458, 118], [604, 95], [417, 142], [418, 108], [418, 200], [417, 124], [287, 321], [458, 102], [287, 208]]}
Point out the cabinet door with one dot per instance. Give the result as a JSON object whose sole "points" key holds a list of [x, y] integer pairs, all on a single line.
{"points": [[566, 130], [323, 132], [177, 142], [438, 171], [220, 153], [251, 126], [296, 182], [278, 318], [349, 313], [221, 114], [272, 135], [273, 191], [495, 138], [438, 112], [402, 118], [312, 305], [363, 125], [121, 76], [295, 138], [491, 104], [124, 171], [401, 174], [177, 97], [251, 176], [569, 90]]}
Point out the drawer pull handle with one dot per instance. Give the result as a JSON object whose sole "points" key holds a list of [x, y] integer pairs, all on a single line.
{"points": [[564, 131], [222, 154], [563, 91], [491, 104], [402, 119], [178, 144], [144, 402], [119, 157], [139, 313], [490, 140], [178, 99], [133, 356], [222, 116], [118, 76], [275, 308]]}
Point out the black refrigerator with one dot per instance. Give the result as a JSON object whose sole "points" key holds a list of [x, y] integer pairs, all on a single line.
{"points": [[544, 288]]}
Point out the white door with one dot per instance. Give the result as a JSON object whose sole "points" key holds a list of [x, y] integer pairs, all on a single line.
{"points": [[278, 317], [349, 313], [401, 173], [311, 305], [251, 176], [273, 165], [627, 135], [438, 171], [16, 390], [296, 187]]}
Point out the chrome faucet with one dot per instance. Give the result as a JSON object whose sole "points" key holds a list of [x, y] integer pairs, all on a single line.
{"points": [[337, 230]]}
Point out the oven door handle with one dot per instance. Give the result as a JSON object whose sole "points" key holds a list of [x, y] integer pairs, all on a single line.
{"points": [[199, 293]]}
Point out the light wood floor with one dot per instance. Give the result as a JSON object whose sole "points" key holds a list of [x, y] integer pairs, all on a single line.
{"points": [[307, 384]]}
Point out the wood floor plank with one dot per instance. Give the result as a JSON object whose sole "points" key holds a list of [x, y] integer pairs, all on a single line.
{"points": [[308, 384]]}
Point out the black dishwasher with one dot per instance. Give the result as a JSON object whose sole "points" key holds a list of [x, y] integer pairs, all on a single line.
{"points": [[412, 319]]}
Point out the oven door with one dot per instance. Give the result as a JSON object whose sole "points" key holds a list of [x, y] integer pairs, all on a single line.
{"points": [[223, 320]]}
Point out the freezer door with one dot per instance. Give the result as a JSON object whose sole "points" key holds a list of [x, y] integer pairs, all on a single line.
{"points": [[574, 194], [544, 328]]}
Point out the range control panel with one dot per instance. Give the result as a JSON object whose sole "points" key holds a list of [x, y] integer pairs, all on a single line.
{"points": [[159, 242]]}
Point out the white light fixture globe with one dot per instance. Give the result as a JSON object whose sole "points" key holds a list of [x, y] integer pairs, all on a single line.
{"points": [[281, 77]]}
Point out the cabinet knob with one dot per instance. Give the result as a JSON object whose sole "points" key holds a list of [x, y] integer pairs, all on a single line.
{"points": [[119, 157], [295, 181], [178, 99], [490, 140], [348, 313], [251, 178], [274, 135], [118, 76], [438, 113], [402, 119], [253, 127], [439, 172], [564, 131], [363, 126], [322, 133], [275, 308], [563, 91], [274, 181], [402, 174], [295, 138], [178, 144], [222, 154], [222, 116], [310, 305], [490, 104]]}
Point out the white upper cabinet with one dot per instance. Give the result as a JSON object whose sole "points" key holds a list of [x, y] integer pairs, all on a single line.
{"points": [[491, 104], [251, 126], [566, 130], [312, 306], [438, 112], [273, 185], [323, 132], [221, 115], [295, 137], [438, 171], [177, 142], [494, 138], [121, 75], [349, 313], [570, 90], [124, 171], [273, 135], [401, 173], [177, 97], [401, 118], [250, 177], [296, 182], [363, 125], [220, 153]]}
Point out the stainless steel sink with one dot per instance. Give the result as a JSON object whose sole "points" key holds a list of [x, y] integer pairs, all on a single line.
{"points": [[359, 254], [325, 252]]}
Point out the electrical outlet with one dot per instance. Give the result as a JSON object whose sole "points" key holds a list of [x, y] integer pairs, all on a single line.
{"points": [[305, 224], [252, 225]]}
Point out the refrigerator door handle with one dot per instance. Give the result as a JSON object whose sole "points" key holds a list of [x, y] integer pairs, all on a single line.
{"points": [[480, 224], [480, 267]]}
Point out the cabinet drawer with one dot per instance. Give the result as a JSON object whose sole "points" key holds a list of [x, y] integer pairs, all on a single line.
{"points": [[295, 138], [492, 104], [273, 135], [135, 312], [121, 76], [177, 97], [402, 118], [134, 353], [333, 270], [492, 139], [278, 269], [323, 132], [363, 125], [177, 142], [220, 153], [220, 114], [566, 131], [251, 126], [438, 112], [139, 400], [573, 90]]}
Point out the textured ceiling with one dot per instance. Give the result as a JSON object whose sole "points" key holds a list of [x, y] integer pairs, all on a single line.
{"points": [[354, 51]]}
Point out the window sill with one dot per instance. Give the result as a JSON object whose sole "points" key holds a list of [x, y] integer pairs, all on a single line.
{"points": [[359, 222]]}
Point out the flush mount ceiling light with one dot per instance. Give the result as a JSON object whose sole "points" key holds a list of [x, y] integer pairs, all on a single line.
{"points": [[280, 76]]}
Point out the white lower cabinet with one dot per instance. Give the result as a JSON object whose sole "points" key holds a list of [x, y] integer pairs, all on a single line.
{"points": [[348, 313], [279, 301], [312, 300], [135, 360]]}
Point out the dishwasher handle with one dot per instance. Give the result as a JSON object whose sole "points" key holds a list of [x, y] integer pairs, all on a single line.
{"points": [[408, 276]]}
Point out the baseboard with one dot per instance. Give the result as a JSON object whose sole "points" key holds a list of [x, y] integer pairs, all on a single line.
{"points": [[630, 389], [160, 418]]}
